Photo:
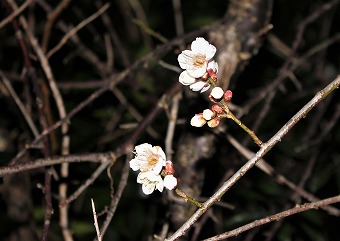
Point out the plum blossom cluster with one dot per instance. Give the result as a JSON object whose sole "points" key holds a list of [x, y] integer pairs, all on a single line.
{"points": [[155, 171], [200, 72]]}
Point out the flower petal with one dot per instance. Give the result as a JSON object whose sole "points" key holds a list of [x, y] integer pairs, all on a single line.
{"points": [[199, 85], [198, 72], [186, 59], [205, 88], [186, 79], [202, 46], [213, 65]]}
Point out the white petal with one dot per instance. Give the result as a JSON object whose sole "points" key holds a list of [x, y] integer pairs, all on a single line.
{"points": [[134, 165], [210, 52], [148, 188], [197, 72], [159, 151], [213, 65], [160, 186], [199, 45], [170, 182], [197, 120], [186, 79], [186, 59], [205, 88], [202, 46], [197, 86], [143, 147]]}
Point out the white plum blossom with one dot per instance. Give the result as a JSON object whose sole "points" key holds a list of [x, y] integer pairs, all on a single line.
{"points": [[150, 182], [195, 61], [148, 158], [170, 182]]}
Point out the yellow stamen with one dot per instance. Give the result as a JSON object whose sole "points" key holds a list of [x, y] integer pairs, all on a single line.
{"points": [[152, 161], [199, 60]]}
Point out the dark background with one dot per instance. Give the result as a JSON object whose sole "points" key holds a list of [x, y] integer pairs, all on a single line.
{"points": [[310, 150]]}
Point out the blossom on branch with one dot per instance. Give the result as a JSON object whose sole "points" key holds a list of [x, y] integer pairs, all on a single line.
{"points": [[148, 158], [151, 162], [150, 182], [196, 63]]}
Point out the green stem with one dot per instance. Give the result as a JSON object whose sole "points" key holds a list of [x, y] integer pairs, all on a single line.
{"points": [[230, 115], [244, 127], [187, 198]]}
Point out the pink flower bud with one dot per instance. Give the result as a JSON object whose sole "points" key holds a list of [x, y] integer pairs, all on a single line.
{"points": [[169, 168], [218, 109], [228, 95]]}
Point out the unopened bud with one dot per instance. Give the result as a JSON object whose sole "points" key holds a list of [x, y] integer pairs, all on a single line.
{"points": [[218, 109], [228, 95], [217, 93], [169, 168], [198, 120], [170, 182], [214, 122], [208, 114]]}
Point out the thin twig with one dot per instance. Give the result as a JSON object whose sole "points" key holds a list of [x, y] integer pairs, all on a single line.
{"points": [[172, 125], [15, 13], [20, 105], [99, 236], [52, 17], [115, 200], [50, 161], [76, 29]]}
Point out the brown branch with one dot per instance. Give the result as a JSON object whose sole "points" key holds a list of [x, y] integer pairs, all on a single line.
{"points": [[52, 17], [268, 169], [115, 200], [264, 149], [276, 217], [15, 13], [20, 105], [51, 161]]}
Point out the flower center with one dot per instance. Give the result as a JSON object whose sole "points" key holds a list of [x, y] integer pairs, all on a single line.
{"points": [[152, 161], [199, 60]]}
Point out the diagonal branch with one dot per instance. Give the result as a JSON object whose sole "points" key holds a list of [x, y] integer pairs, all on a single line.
{"points": [[257, 157]]}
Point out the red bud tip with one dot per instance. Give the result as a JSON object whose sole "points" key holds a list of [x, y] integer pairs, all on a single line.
{"points": [[228, 95]]}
